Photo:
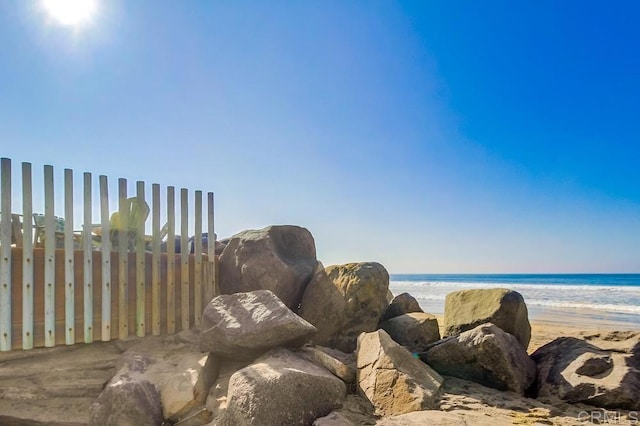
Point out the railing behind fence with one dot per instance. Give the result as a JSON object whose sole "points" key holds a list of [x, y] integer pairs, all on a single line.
{"points": [[107, 280]]}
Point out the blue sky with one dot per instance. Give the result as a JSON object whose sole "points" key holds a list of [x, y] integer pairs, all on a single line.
{"points": [[429, 136]]}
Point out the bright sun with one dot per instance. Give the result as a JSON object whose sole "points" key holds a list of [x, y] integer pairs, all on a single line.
{"points": [[71, 12]]}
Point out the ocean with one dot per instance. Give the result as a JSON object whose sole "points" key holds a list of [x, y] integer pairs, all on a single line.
{"points": [[608, 299]]}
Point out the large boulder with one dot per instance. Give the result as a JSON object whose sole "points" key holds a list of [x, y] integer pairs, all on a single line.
{"points": [[127, 400], [576, 371], [281, 388], [403, 303], [392, 379], [486, 355], [245, 325], [277, 258], [467, 309], [415, 331], [343, 301]]}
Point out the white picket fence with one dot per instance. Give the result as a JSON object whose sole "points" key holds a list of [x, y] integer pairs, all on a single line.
{"points": [[60, 286]]}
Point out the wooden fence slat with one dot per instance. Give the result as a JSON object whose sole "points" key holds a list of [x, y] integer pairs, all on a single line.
{"points": [[140, 262], [69, 279], [155, 261], [5, 255], [184, 257], [49, 260], [197, 276], [123, 261], [106, 258], [211, 290], [171, 260], [87, 241], [27, 257]]}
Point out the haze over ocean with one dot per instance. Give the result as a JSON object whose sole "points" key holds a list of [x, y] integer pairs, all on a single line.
{"points": [[612, 299]]}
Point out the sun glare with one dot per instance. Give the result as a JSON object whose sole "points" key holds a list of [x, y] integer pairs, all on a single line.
{"points": [[70, 12]]}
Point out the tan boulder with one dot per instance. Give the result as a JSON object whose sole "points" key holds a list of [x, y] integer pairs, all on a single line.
{"points": [[415, 331], [280, 388], [343, 301], [467, 309], [403, 303], [486, 355], [392, 379]]}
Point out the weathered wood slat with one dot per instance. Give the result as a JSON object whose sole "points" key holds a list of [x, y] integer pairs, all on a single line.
{"points": [[211, 289], [184, 255], [106, 258], [197, 285], [5, 255], [49, 265], [27, 261], [140, 262], [123, 265], [69, 282], [171, 260], [87, 241], [155, 260]]}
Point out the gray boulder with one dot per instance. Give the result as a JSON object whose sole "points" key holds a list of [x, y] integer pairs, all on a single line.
{"points": [[277, 258], [281, 388], [392, 379], [415, 331], [127, 400], [486, 355], [401, 304], [576, 371], [343, 301], [467, 309], [245, 325]]}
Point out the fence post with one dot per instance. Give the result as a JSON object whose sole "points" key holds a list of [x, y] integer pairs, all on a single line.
{"points": [[197, 285], [106, 259], [27, 257], [171, 260], [140, 270], [184, 257], [155, 262], [123, 261], [87, 240], [69, 271], [49, 260], [211, 281], [5, 255]]}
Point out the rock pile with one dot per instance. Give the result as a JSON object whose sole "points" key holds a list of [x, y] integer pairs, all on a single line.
{"points": [[292, 342]]}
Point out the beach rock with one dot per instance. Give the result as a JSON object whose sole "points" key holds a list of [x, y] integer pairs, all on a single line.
{"points": [[127, 400], [415, 331], [392, 379], [281, 388], [178, 370], [334, 418], [277, 258], [442, 418], [467, 309], [576, 371], [244, 325], [485, 355], [340, 364], [343, 301], [217, 399], [401, 304]]}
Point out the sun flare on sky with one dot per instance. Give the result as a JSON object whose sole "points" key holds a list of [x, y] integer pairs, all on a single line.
{"points": [[71, 13]]}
